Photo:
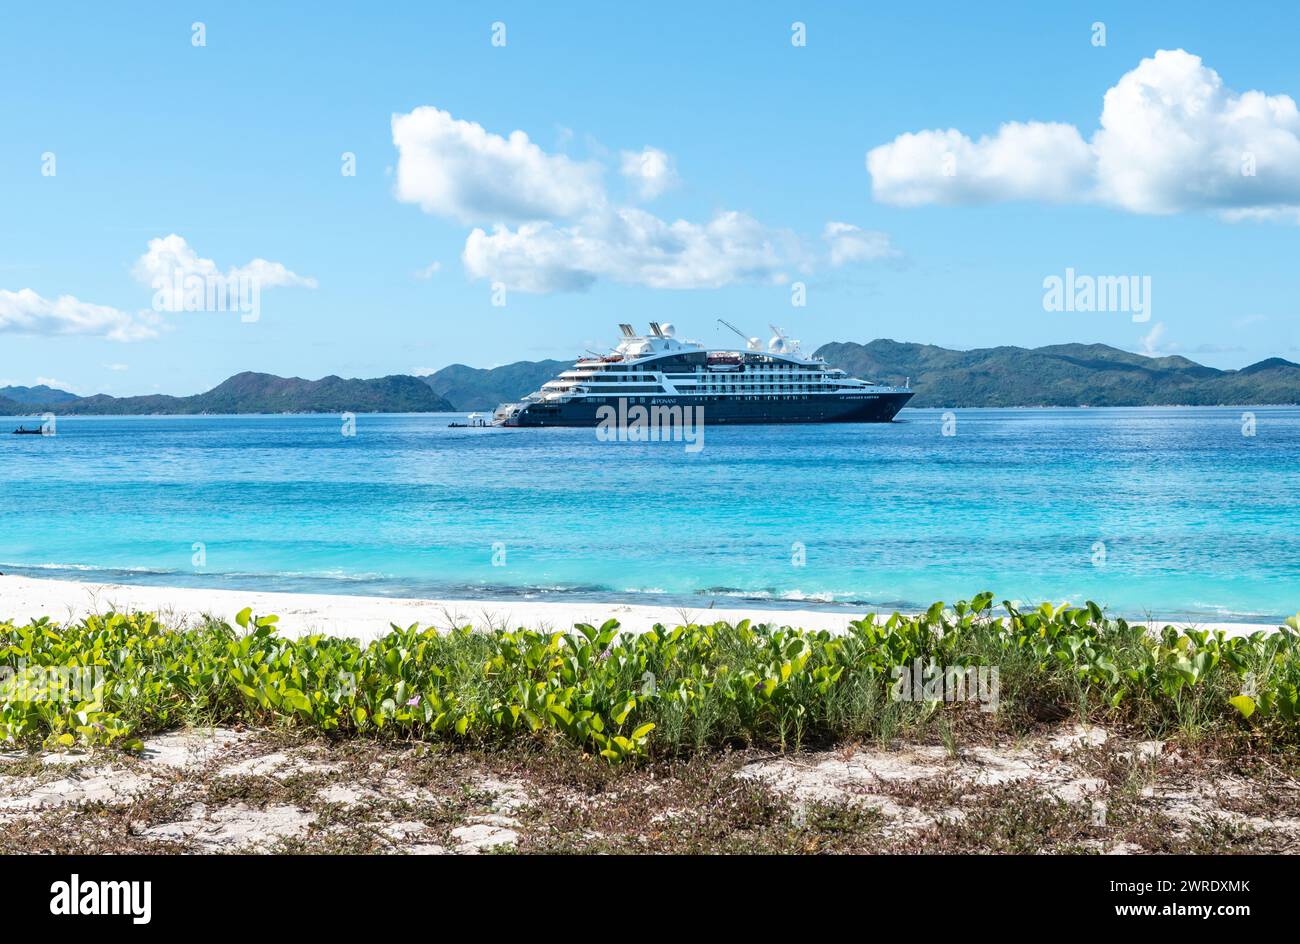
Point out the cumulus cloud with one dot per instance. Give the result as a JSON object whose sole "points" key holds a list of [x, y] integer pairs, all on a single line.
{"points": [[650, 170], [171, 257], [544, 223], [1033, 161], [26, 312], [1172, 138], [631, 246], [458, 169], [849, 243]]}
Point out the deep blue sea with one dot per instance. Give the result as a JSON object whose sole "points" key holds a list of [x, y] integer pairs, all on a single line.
{"points": [[1165, 511]]}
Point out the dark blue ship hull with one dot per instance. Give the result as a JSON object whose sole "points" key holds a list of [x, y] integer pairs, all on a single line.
{"points": [[721, 410]]}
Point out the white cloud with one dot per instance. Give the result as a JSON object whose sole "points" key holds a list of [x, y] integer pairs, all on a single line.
{"points": [[25, 312], [651, 170], [1151, 340], [457, 169], [1033, 161], [631, 246], [171, 256], [851, 243], [1285, 213], [1172, 139], [117, 367], [271, 274], [546, 224], [429, 271]]}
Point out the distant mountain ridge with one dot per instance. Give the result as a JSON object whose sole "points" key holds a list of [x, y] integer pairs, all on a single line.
{"points": [[1062, 375], [261, 393], [476, 388], [40, 394], [1057, 375]]}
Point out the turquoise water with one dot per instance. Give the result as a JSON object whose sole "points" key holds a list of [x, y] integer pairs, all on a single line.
{"points": [[1197, 520]]}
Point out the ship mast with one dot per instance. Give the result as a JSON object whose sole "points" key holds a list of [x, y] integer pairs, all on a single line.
{"points": [[738, 332]]}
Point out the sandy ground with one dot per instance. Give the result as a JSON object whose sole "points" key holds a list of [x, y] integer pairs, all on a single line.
{"points": [[1072, 790], [26, 598]]}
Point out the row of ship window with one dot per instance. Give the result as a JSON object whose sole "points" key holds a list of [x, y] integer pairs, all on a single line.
{"points": [[707, 388], [742, 379], [704, 399]]}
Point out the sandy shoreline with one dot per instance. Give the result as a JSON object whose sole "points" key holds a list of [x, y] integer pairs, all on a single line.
{"points": [[26, 598]]}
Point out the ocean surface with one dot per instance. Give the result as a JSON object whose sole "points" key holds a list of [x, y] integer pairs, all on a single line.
{"points": [[1170, 512]]}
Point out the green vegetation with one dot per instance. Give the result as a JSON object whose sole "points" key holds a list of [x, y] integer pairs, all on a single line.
{"points": [[668, 692], [1062, 375], [245, 393]]}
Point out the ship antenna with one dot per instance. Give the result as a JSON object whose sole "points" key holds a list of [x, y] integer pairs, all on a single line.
{"points": [[742, 334]]}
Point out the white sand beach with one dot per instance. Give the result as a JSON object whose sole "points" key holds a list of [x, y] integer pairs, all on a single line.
{"points": [[26, 598]]}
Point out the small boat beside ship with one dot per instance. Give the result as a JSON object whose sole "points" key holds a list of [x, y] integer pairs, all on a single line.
{"points": [[473, 421], [752, 384]]}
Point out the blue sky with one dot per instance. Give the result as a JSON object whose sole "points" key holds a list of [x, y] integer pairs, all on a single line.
{"points": [[235, 147]]}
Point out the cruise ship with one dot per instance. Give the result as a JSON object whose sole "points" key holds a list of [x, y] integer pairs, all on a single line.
{"points": [[749, 385]]}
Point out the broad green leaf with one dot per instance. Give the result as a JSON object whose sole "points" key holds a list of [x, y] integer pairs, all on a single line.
{"points": [[1243, 703]]}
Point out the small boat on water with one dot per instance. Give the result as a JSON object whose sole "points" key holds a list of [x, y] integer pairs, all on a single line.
{"points": [[472, 421], [24, 431]]}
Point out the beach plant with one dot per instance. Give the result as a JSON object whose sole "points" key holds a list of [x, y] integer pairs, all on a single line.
{"points": [[623, 696]]}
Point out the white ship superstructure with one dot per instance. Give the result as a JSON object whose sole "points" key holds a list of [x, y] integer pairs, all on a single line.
{"points": [[776, 384]]}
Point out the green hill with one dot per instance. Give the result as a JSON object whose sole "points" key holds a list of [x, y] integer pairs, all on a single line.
{"points": [[39, 394], [265, 393], [1061, 375], [473, 388]]}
